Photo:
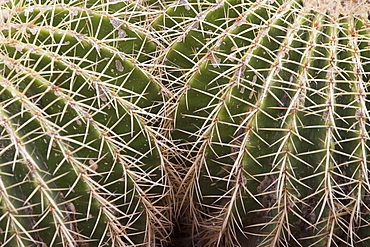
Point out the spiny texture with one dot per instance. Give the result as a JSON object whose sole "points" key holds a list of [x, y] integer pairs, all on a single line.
{"points": [[80, 164], [273, 121], [266, 100]]}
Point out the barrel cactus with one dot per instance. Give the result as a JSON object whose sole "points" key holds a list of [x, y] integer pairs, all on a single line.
{"points": [[237, 123], [272, 120], [80, 163]]}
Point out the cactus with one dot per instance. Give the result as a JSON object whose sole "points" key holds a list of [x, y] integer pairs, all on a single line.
{"points": [[272, 119], [241, 123], [80, 163]]}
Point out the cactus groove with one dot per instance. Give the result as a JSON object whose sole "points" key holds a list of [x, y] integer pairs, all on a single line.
{"points": [[184, 123]]}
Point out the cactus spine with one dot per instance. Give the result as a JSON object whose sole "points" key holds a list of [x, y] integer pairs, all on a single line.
{"points": [[245, 120]]}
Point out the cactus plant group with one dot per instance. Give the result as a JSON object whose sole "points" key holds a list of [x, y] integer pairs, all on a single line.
{"points": [[213, 123]]}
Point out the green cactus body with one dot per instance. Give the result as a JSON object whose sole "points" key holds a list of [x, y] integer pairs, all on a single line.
{"points": [[275, 117], [80, 165]]}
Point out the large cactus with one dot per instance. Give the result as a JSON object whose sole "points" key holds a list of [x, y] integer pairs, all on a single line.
{"points": [[267, 100], [273, 120], [79, 161]]}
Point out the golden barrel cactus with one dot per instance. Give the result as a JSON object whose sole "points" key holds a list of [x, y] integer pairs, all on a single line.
{"points": [[186, 122]]}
